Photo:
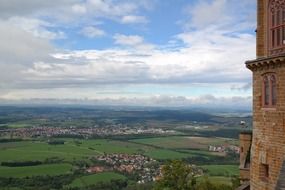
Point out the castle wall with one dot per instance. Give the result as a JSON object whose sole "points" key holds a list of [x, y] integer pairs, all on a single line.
{"points": [[261, 50], [268, 142]]}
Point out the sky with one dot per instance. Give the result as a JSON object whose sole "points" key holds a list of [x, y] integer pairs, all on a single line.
{"points": [[127, 52]]}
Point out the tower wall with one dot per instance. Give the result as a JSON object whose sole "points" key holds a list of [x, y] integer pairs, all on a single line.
{"points": [[268, 142], [261, 50]]}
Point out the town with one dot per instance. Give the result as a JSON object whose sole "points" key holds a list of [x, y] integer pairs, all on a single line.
{"points": [[89, 132]]}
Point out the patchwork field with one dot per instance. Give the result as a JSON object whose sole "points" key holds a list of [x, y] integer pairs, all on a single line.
{"points": [[95, 178], [160, 148], [71, 150]]}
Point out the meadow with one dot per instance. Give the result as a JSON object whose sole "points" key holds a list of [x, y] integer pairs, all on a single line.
{"points": [[95, 178], [29, 171], [221, 170], [185, 142]]}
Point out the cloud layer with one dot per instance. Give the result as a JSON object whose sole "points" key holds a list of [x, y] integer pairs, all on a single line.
{"points": [[209, 49]]}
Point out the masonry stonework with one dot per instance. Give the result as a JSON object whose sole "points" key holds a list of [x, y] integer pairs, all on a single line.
{"points": [[268, 138]]}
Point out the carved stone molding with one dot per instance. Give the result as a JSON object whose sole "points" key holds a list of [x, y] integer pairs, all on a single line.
{"points": [[266, 63], [276, 5]]}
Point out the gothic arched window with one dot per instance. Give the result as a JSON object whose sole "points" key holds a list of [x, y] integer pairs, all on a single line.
{"points": [[276, 26], [273, 90], [269, 90], [266, 87]]}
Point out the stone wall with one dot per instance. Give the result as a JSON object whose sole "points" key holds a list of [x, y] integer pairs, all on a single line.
{"points": [[268, 142]]}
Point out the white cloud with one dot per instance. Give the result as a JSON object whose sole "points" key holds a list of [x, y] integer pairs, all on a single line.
{"points": [[31, 65], [90, 98], [10, 8], [131, 40], [92, 32], [133, 19], [18, 50], [206, 13], [215, 58], [79, 9], [220, 13], [37, 27]]}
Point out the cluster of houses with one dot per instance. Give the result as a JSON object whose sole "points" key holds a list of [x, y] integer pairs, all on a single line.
{"points": [[224, 148], [147, 168], [82, 132]]}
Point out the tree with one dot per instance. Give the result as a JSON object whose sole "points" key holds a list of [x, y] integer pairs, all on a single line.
{"points": [[176, 175]]}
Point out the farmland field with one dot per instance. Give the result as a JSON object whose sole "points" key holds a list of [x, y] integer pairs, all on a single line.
{"points": [[48, 169], [162, 154], [95, 178], [217, 180], [222, 170], [185, 142], [36, 150], [71, 150]]}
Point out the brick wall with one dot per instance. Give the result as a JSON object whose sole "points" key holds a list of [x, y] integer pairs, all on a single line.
{"points": [[261, 29], [268, 142]]}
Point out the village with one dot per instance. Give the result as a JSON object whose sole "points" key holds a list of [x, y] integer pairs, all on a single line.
{"points": [[147, 169], [88, 132]]}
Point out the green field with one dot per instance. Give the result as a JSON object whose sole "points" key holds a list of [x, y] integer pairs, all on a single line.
{"points": [[49, 169], [203, 153], [71, 150], [182, 142], [112, 146], [221, 170], [217, 180], [162, 154], [41, 150], [95, 178]]}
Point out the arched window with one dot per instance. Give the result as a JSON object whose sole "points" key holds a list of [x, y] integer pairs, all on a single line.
{"points": [[276, 26], [269, 90], [266, 91], [273, 90]]}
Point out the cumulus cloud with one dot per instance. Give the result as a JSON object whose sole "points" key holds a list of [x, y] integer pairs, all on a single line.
{"points": [[36, 27], [133, 41], [10, 8], [18, 50], [210, 51], [92, 32], [132, 19], [222, 13]]}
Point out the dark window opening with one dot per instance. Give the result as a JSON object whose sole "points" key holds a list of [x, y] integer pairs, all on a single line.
{"points": [[264, 172], [269, 91]]}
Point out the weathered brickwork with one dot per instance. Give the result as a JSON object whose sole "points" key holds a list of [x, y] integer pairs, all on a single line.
{"points": [[260, 29], [268, 140], [245, 145]]}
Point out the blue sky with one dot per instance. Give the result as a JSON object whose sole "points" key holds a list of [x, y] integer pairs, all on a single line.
{"points": [[126, 52]]}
